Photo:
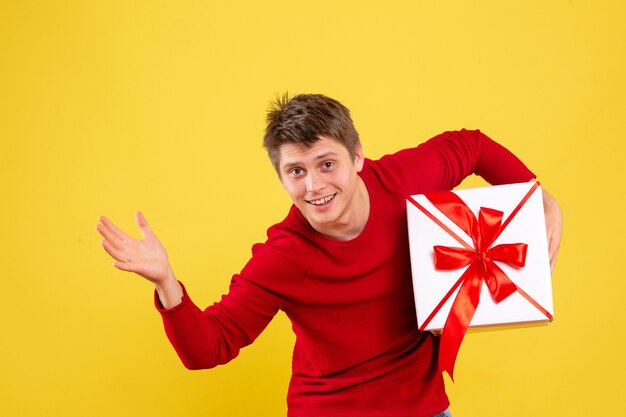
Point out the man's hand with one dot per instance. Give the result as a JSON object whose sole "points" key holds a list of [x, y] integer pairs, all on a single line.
{"points": [[554, 226], [146, 257]]}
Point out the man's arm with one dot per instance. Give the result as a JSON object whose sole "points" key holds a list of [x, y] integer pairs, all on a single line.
{"points": [[202, 339], [442, 162], [205, 339]]}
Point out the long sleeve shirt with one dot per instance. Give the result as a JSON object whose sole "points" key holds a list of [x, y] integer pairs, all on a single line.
{"points": [[358, 351]]}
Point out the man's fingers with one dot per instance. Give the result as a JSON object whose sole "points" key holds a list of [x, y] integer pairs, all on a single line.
{"points": [[115, 253], [122, 260], [553, 245], [554, 242], [110, 237], [554, 226], [143, 225], [552, 263], [125, 266], [113, 228], [553, 250]]}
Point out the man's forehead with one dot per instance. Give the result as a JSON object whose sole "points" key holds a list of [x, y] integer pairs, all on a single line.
{"points": [[291, 153]]}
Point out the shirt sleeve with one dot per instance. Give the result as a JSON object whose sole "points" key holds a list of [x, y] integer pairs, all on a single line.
{"points": [[205, 339], [442, 162]]}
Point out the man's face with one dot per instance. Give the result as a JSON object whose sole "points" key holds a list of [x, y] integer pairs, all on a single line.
{"points": [[322, 181]]}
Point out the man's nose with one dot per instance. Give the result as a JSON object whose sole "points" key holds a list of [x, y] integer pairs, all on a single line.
{"points": [[314, 182]]}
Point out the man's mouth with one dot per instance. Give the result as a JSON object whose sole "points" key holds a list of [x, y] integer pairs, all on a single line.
{"points": [[322, 201]]}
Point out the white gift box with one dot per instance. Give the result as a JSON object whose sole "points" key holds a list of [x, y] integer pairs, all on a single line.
{"points": [[526, 226]]}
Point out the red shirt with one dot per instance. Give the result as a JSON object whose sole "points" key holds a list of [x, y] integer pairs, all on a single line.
{"points": [[358, 351]]}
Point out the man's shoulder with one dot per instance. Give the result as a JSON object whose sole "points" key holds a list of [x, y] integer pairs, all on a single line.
{"points": [[281, 260], [386, 174], [286, 241]]}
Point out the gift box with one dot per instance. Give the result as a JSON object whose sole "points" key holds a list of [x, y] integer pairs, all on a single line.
{"points": [[479, 257]]}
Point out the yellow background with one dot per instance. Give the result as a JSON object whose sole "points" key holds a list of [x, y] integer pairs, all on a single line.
{"points": [[110, 107]]}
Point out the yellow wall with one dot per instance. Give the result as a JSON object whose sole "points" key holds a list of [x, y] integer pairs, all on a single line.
{"points": [[110, 107]]}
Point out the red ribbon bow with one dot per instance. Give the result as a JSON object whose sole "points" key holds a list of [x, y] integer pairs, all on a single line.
{"points": [[482, 267]]}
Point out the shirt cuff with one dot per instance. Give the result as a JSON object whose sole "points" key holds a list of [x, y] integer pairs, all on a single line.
{"points": [[165, 311]]}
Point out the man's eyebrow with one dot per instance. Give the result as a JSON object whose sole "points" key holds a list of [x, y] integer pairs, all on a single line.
{"points": [[318, 157]]}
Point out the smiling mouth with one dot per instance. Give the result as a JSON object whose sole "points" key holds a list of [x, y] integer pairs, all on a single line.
{"points": [[322, 201]]}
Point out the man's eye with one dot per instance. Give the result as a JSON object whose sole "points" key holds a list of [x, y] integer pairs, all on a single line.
{"points": [[329, 164], [296, 171]]}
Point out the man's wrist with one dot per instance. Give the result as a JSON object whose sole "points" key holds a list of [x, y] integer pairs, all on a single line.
{"points": [[170, 292]]}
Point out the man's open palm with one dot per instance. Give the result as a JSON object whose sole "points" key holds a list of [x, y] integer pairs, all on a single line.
{"points": [[146, 257]]}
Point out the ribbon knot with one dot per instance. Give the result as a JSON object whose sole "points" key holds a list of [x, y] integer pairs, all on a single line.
{"points": [[482, 256]]}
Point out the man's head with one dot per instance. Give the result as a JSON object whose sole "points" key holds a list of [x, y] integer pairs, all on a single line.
{"points": [[303, 120]]}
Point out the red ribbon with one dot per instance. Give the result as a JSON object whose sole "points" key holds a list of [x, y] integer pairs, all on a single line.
{"points": [[480, 266]]}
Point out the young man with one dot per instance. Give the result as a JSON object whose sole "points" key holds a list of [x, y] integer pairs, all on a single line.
{"points": [[337, 265]]}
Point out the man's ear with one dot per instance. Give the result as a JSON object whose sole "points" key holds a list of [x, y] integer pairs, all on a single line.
{"points": [[359, 159]]}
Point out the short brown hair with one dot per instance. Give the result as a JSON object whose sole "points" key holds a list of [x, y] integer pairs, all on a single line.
{"points": [[303, 119]]}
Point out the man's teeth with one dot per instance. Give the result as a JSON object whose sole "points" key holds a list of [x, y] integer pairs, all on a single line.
{"points": [[322, 200]]}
